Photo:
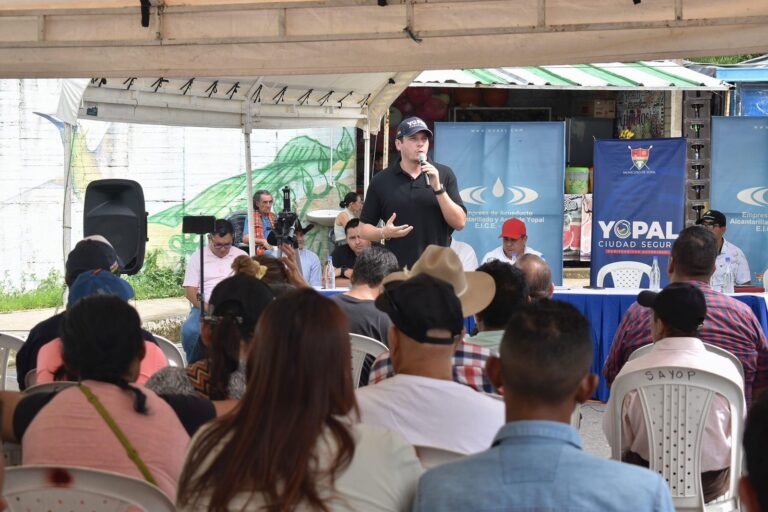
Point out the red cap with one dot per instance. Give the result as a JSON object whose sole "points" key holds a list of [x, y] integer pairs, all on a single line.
{"points": [[513, 228]]}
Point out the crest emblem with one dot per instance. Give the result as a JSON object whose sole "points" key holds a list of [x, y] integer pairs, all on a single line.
{"points": [[640, 157]]}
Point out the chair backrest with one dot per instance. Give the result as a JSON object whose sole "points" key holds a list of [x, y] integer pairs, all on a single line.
{"points": [[238, 223], [431, 457], [75, 489], [675, 402], [11, 454], [625, 274], [363, 346], [640, 351], [47, 387], [172, 351], [8, 343]]}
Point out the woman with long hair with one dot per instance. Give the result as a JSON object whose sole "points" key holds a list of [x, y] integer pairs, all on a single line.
{"points": [[294, 441], [106, 421], [226, 332], [353, 205]]}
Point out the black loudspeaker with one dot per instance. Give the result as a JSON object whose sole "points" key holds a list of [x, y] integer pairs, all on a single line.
{"points": [[114, 209]]}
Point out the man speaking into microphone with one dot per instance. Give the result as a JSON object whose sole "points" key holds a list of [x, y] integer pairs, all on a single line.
{"points": [[417, 199]]}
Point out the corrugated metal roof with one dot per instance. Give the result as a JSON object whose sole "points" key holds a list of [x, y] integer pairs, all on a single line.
{"points": [[650, 75]]}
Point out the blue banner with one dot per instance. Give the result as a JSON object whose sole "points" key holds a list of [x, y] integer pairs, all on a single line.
{"points": [[740, 185], [507, 170], [638, 204]]}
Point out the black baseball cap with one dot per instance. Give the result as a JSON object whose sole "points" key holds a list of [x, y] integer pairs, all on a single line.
{"points": [[304, 229], [420, 304], [411, 126], [91, 253], [713, 216], [680, 305]]}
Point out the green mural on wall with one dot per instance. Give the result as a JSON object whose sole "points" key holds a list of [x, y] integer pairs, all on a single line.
{"points": [[303, 164]]}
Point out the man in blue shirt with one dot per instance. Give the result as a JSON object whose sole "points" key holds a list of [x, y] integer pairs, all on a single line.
{"points": [[536, 461]]}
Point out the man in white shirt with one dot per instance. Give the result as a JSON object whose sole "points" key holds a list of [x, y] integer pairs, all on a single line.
{"points": [[310, 262], [466, 254], [678, 312], [421, 402], [218, 256], [715, 221], [514, 243]]}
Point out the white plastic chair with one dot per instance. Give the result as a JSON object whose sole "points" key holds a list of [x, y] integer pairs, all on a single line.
{"points": [[11, 454], [363, 346], [625, 274], [640, 351], [675, 409], [431, 457], [79, 489], [173, 353], [8, 343]]}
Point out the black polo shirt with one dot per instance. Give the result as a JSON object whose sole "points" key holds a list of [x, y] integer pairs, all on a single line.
{"points": [[414, 201]]}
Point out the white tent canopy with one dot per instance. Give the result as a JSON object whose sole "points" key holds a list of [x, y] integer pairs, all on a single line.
{"points": [[188, 38]]}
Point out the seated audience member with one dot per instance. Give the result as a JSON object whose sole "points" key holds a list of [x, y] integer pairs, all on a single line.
{"points": [[421, 401], [293, 442], [345, 255], [511, 294], [227, 332], [310, 262], [514, 244], [475, 291], [537, 275], [271, 270], [101, 336], [218, 257], [536, 461], [50, 365], [730, 324], [371, 267], [353, 205], [752, 489], [678, 312], [466, 254], [91, 253]]}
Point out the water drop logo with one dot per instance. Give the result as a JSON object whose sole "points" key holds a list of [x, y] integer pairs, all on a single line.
{"points": [[754, 196], [622, 229], [517, 195]]}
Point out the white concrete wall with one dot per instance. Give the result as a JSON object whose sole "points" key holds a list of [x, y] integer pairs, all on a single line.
{"points": [[174, 166]]}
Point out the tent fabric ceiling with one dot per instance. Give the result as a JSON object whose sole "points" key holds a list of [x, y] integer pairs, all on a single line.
{"points": [[273, 101], [653, 75], [186, 38]]}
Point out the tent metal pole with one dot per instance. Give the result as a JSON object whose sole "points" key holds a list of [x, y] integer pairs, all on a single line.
{"points": [[249, 177], [367, 155], [385, 133], [66, 222]]}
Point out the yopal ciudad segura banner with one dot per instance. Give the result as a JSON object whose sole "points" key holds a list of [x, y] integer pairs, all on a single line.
{"points": [[638, 202], [740, 185], [507, 170]]}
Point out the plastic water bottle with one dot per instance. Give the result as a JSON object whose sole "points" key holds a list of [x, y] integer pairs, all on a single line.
{"points": [[655, 275], [728, 277], [329, 275]]}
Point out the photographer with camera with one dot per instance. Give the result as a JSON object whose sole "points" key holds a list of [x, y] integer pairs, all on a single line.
{"points": [[217, 258]]}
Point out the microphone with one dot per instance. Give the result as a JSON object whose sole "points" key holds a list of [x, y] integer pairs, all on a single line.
{"points": [[422, 161]]}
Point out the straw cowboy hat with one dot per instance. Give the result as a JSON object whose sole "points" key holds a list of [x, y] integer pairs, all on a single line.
{"points": [[475, 290]]}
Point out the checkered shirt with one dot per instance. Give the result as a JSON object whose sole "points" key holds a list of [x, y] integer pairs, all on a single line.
{"points": [[468, 367], [729, 324]]}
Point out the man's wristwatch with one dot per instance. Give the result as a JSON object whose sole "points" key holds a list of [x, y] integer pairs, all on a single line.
{"points": [[440, 191]]}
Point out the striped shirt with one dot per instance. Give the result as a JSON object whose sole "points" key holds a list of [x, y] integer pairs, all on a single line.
{"points": [[468, 367], [729, 324]]}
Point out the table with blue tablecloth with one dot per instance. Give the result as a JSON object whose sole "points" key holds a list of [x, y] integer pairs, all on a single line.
{"points": [[605, 308]]}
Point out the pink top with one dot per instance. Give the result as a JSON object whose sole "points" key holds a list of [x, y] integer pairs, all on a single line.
{"points": [[49, 360], [69, 430]]}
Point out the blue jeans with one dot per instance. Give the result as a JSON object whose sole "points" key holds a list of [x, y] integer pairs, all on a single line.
{"points": [[190, 333]]}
